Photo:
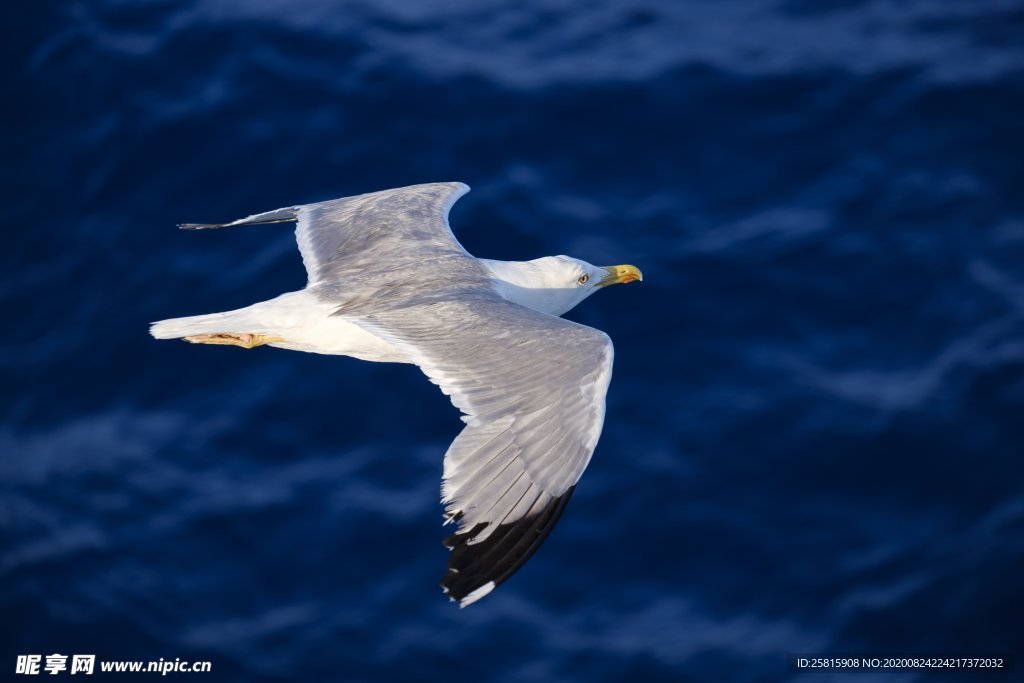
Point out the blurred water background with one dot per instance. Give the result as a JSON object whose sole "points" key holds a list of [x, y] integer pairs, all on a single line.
{"points": [[814, 436]]}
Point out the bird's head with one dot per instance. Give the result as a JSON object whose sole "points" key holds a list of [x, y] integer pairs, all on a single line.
{"points": [[556, 284]]}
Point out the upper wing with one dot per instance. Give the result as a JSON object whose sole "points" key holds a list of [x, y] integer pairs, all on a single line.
{"points": [[343, 237], [380, 230], [532, 387]]}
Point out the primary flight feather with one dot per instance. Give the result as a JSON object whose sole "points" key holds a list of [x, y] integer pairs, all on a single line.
{"points": [[389, 282]]}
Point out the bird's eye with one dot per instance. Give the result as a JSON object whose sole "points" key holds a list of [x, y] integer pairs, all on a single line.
{"points": [[583, 279]]}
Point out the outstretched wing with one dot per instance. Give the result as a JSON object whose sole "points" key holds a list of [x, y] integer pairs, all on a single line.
{"points": [[532, 387], [380, 231], [375, 232]]}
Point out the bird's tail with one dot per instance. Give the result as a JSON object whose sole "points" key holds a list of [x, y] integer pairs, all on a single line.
{"points": [[241, 320]]}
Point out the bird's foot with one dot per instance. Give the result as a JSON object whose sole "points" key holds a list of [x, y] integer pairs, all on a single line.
{"points": [[243, 339]]}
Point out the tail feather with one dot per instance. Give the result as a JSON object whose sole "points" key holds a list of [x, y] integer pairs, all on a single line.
{"points": [[213, 323]]}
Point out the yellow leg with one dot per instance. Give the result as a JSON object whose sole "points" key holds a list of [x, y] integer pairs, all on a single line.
{"points": [[243, 339]]}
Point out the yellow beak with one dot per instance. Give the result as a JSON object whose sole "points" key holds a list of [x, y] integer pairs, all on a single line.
{"points": [[620, 275]]}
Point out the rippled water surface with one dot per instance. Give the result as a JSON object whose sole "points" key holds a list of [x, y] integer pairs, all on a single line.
{"points": [[814, 436]]}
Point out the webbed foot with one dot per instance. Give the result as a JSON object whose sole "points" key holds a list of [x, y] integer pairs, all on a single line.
{"points": [[244, 339]]}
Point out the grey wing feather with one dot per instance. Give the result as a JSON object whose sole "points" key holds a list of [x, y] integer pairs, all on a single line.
{"points": [[532, 387], [378, 232], [374, 233]]}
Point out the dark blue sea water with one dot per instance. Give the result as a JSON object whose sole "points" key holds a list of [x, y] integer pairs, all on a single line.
{"points": [[814, 440]]}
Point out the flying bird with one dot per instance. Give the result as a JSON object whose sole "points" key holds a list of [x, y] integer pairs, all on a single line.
{"points": [[388, 281]]}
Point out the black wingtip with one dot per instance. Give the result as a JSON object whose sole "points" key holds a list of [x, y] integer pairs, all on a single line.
{"points": [[474, 570], [199, 226], [271, 217]]}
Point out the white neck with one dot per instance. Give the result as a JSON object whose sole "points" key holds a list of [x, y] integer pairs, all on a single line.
{"points": [[527, 284]]}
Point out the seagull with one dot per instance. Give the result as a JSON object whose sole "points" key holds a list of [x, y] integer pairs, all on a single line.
{"points": [[388, 282]]}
